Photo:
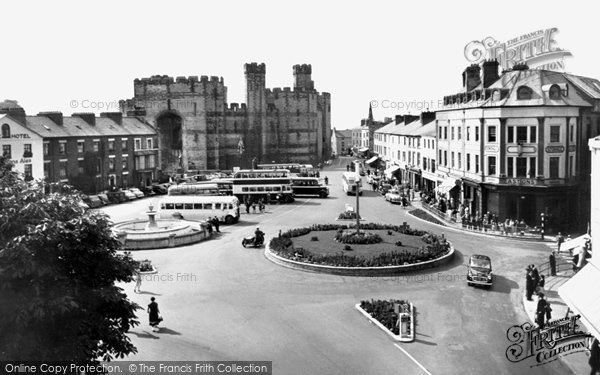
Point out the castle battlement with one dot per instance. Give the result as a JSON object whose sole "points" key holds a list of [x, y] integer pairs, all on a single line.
{"points": [[255, 68], [302, 69]]}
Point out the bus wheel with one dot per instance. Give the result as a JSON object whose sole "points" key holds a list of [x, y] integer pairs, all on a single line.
{"points": [[229, 220], [323, 195]]}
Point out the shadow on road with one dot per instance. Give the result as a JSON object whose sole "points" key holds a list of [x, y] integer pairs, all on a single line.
{"points": [[144, 335], [503, 285], [150, 293], [168, 331], [246, 223]]}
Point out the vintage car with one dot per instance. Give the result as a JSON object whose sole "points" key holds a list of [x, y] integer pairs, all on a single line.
{"points": [[93, 201], [384, 188], [393, 196], [137, 192], [479, 270]]}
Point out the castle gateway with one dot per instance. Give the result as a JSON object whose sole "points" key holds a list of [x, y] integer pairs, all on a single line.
{"points": [[198, 130]]}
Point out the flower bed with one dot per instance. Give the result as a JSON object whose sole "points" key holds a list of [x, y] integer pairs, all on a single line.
{"points": [[426, 216], [385, 313], [348, 215], [434, 247], [353, 238]]}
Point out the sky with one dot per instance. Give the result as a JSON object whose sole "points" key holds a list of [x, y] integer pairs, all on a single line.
{"points": [[82, 56]]}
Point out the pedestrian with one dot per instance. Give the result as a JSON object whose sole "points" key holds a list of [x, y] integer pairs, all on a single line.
{"points": [[326, 180], [216, 223], [548, 311], [529, 285], [540, 287], [247, 207], [261, 206], [318, 174], [536, 276], [541, 311], [552, 260], [138, 281], [254, 207], [559, 240], [594, 360], [347, 167], [209, 227], [154, 315]]}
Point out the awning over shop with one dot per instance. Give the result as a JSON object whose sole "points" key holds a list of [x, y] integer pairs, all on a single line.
{"points": [[575, 242], [583, 297], [363, 149], [388, 172], [372, 160], [448, 184]]}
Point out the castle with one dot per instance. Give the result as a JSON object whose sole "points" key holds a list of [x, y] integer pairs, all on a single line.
{"points": [[198, 130]]}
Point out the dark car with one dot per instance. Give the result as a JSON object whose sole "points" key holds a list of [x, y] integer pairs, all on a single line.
{"points": [[147, 190], [160, 188], [104, 199], [384, 188], [92, 201], [479, 270], [117, 197]]}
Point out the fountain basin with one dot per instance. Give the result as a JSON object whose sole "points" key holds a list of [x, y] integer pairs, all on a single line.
{"points": [[164, 233]]}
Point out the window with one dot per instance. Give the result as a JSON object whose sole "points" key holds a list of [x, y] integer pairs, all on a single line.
{"points": [[491, 134], [6, 151], [140, 162], [188, 206], [96, 146], [440, 156], [555, 133], [138, 144], [432, 166], [80, 147], [80, 166], [452, 156], [111, 164], [459, 133], [554, 92], [62, 171], [149, 143], [554, 167], [28, 172], [111, 145], [207, 206], [179, 206], [446, 158], [522, 167], [511, 135], [197, 206], [571, 162], [452, 132], [440, 135], [532, 134], [468, 162], [532, 168], [445, 132], [151, 162], [46, 170], [124, 164], [5, 131], [62, 148], [509, 167], [124, 144], [46, 149], [27, 150], [476, 134], [468, 133], [459, 160], [491, 165], [476, 163], [524, 93], [521, 134]]}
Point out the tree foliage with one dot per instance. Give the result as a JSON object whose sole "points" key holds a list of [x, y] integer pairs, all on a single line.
{"points": [[58, 268]]}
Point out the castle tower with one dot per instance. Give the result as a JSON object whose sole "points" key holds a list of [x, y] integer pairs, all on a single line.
{"points": [[257, 108], [302, 77]]}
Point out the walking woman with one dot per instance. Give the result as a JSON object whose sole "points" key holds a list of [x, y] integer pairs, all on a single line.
{"points": [[154, 315], [138, 281]]}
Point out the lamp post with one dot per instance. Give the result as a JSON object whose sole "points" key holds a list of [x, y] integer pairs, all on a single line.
{"points": [[543, 222]]}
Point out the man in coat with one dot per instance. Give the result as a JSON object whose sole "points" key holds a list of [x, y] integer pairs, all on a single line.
{"points": [[540, 312], [529, 288]]}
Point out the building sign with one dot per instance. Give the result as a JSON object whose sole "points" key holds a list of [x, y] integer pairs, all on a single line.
{"points": [[21, 161], [558, 338], [555, 149], [537, 49], [20, 136], [521, 181]]}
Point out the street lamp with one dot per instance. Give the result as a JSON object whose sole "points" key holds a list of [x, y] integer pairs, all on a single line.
{"points": [[543, 219]]}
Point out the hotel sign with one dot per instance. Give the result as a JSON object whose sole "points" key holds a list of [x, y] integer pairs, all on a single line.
{"points": [[555, 149], [537, 49]]}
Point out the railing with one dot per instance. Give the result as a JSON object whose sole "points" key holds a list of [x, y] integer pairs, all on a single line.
{"points": [[561, 265]]}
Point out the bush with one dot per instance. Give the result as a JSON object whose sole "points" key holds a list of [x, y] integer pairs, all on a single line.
{"points": [[383, 311], [314, 238], [390, 232], [348, 215], [347, 247], [398, 243], [358, 239], [146, 265]]}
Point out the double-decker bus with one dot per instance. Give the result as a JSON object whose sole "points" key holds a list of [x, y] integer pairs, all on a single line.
{"points": [[213, 187], [251, 185], [292, 167], [309, 186], [352, 183], [200, 207]]}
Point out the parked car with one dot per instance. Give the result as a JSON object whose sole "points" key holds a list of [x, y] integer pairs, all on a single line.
{"points": [[104, 199], [160, 188], [479, 270], [147, 190], [130, 196], [384, 188], [137, 192], [117, 196], [393, 196], [93, 201]]}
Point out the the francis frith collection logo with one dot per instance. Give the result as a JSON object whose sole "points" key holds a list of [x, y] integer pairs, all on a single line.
{"points": [[558, 338]]}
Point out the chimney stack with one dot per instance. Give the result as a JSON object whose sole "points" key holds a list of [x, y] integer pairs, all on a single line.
{"points": [[56, 117], [427, 117], [490, 72], [88, 117], [399, 119], [14, 110], [471, 77], [410, 118], [115, 116]]}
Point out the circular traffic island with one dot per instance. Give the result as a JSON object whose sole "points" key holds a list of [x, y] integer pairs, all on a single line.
{"points": [[372, 250]]}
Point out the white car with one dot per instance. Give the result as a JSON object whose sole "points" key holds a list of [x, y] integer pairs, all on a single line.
{"points": [[137, 192], [393, 196], [130, 195]]}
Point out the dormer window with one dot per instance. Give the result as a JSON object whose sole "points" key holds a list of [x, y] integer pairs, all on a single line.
{"points": [[554, 92], [5, 131], [524, 93]]}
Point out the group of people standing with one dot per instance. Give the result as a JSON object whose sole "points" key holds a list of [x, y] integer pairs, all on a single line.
{"points": [[534, 283], [260, 204]]}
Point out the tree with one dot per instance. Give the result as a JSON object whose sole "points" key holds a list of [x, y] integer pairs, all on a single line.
{"points": [[58, 268]]}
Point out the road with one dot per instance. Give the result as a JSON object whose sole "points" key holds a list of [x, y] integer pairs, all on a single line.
{"points": [[223, 302]]}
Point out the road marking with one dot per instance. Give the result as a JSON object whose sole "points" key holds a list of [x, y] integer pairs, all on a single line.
{"points": [[413, 359]]}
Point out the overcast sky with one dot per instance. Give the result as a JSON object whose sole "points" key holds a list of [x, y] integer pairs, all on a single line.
{"points": [[71, 56]]}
